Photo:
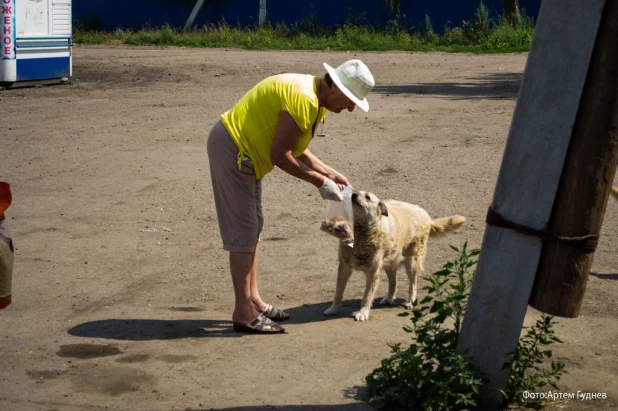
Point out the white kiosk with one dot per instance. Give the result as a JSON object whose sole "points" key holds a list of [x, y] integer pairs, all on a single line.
{"points": [[35, 41]]}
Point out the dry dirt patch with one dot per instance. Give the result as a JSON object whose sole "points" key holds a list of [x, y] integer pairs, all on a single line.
{"points": [[117, 241]]}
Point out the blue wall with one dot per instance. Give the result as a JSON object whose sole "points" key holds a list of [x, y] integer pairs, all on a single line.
{"points": [[113, 14]]}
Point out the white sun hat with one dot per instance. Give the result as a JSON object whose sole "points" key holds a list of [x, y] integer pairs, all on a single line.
{"points": [[354, 79]]}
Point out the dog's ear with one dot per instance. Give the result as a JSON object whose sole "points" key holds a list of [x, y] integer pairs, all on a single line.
{"points": [[383, 209]]}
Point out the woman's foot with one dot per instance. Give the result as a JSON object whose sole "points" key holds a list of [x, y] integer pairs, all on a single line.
{"points": [[274, 313], [269, 311], [260, 325]]}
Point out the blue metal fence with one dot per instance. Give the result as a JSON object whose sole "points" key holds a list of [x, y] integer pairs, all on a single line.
{"points": [[113, 14]]}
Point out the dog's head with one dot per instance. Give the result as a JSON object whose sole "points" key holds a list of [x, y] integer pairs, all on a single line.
{"points": [[367, 206]]}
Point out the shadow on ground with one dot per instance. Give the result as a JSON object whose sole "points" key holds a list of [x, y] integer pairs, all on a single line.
{"points": [[605, 276], [146, 330], [497, 86], [309, 313], [342, 407], [357, 394], [171, 329]]}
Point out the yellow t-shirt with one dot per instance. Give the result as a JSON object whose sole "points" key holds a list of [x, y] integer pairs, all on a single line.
{"points": [[252, 121]]}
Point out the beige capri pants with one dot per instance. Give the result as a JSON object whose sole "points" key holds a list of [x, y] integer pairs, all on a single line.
{"points": [[237, 193]]}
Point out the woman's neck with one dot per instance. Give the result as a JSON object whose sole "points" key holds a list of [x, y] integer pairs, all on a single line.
{"points": [[322, 90]]}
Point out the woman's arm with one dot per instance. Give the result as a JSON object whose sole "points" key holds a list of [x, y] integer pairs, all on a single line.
{"points": [[315, 163], [286, 136]]}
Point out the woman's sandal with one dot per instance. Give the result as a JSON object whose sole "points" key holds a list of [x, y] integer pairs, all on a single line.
{"points": [[275, 314], [261, 325]]}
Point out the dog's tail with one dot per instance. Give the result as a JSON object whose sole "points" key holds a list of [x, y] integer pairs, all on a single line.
{"points": [[444, 224], [615, 191]]}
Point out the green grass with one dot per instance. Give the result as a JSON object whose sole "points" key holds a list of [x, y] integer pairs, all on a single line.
{"points": [[483, 35]]}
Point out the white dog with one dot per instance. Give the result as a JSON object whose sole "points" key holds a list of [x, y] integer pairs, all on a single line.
{"points": [[387, 235]]}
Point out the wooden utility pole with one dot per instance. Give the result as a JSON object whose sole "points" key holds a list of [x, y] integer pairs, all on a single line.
{"points": [[585, 183], [528, 184]]}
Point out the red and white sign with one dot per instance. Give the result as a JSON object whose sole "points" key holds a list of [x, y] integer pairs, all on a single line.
{"points": [[7, 29]]}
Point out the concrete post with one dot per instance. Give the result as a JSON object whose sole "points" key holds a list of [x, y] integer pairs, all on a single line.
{"points": [[527, 184]]}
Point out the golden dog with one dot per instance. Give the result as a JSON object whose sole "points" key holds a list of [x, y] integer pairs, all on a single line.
{"points": [[387, 235]]}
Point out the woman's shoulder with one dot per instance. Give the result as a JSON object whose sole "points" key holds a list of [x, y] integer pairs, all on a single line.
{"points": [[299, 85], [295, 77], [300, 82]]}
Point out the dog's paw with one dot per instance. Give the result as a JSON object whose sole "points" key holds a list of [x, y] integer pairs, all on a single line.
{"points": [[387, 301], [408, 305], [362, 315], [332, 310]]}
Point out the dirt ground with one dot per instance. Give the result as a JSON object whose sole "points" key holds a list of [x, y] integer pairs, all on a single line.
{"points": [[122, 295]]}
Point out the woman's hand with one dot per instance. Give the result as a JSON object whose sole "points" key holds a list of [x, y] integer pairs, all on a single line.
{"points": [[338, 178], [311, 161], [329, 190]]}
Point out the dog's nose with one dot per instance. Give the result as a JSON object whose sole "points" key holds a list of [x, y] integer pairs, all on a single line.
{"points": [[354, 195]]}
